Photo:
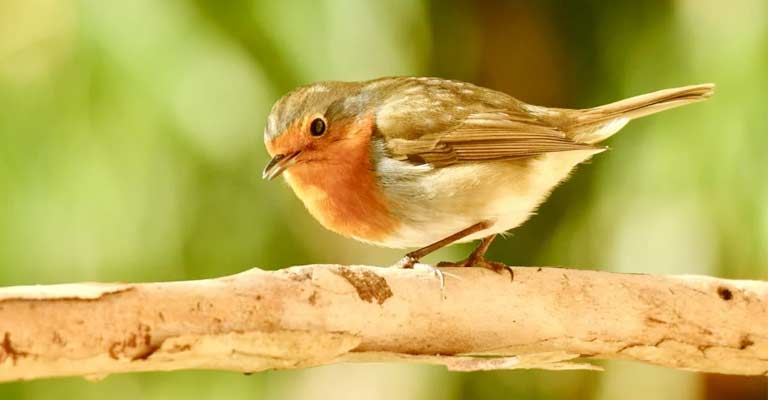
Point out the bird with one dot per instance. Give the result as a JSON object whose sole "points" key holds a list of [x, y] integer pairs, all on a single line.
{"points": [[423, 162]]}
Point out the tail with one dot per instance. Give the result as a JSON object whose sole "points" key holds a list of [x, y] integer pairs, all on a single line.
{"points": [[596, 124]]}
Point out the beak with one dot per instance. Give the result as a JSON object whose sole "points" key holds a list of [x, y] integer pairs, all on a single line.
{"points": [[278, 164]]}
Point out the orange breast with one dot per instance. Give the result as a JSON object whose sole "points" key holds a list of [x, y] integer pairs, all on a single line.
{"points": [[342, 192]]}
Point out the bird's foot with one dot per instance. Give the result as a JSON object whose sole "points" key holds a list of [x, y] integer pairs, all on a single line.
{"points": [[471, 261], [409, 262], [406, 262]]}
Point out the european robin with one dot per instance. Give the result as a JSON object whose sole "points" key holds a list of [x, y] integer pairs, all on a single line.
{"points": [[426, 162]]}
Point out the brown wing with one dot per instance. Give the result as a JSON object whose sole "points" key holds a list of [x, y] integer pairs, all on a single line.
{"points": [[485, 136]]}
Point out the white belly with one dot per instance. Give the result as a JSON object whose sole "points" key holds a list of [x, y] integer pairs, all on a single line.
{"points": [[435, 203]]}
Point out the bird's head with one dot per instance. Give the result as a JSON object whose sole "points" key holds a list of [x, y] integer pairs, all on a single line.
{"points": [[312, 124]]}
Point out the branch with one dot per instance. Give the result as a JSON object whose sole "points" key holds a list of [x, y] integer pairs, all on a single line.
{"points": [[321, 314]]}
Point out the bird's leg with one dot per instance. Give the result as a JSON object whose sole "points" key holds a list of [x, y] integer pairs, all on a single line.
{"points": [[413, 257], [416, 255], [478, 255], [477, 258]]}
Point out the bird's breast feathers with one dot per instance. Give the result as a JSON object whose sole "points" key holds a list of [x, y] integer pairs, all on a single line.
{"points": [[342, 192]]}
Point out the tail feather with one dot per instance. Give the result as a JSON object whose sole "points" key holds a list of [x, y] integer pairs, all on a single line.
{"points": [[596, 124]]}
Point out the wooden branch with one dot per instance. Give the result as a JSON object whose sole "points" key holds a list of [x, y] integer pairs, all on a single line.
{"points": [[321, 314]]}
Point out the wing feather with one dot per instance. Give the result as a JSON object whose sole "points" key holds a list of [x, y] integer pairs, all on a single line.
{"points": [[486, 136], [443, 122]]}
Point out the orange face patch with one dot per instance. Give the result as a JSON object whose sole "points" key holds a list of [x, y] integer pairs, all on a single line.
{"points": [[335, 179], [294, 138]]}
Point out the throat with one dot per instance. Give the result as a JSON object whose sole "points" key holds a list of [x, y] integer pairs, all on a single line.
{"points": [[344, 197]]}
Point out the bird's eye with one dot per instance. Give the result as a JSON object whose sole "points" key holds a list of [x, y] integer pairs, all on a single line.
{"points": [[317, 127]]}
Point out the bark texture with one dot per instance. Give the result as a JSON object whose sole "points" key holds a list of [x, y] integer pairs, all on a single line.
{"points": [[299, 317]]}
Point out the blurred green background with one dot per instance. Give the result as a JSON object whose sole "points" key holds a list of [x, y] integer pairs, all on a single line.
{"points": [[131, 150]]}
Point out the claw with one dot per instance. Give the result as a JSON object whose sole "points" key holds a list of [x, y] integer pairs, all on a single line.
{"points": [[408, 262], [511, 273], [498, 267], [480, 262], [448, 264], [439, 274]]}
